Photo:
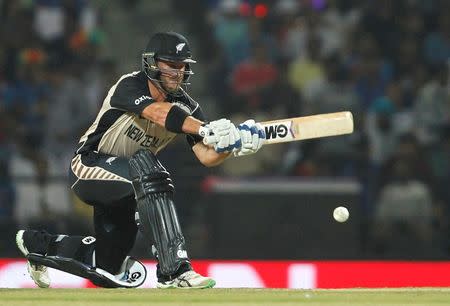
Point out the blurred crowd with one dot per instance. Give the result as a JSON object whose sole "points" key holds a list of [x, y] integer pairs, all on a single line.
{"points": [[386, 61], [52, 81]]}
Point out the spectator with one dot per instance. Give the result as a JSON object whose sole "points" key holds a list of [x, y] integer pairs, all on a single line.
{"points": [[232, 31], [437, 43], [407, 56], [432, 107], [282, 100], [332, 93], [69, 113], [49, 20], [294, 38], [404, 211], [385, 124], [342, 16], [371, 72], [26, 101], [379, 22], [305, 70], [252, 78]]}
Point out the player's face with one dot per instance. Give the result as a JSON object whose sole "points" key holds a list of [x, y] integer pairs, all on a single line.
{"points": [[171, 75]]}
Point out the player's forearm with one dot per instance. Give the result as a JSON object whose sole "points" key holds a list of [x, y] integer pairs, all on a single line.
{"points": [[157, 112], [191, 125], [207, 156]]}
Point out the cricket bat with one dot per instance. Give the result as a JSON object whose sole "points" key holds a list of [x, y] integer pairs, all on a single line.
{"points": [[308, 127]]}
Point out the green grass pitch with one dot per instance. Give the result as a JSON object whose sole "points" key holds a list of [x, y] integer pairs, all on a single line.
{"points": [[135, 297]]}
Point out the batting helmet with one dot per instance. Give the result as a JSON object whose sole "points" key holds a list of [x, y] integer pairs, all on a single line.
{"points": [[170, 47]]}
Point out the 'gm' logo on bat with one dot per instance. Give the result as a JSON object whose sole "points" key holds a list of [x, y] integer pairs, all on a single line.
{"points": [[280, 130]]}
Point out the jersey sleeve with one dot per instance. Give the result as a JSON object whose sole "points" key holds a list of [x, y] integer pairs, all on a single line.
{"points": [[131, 95], [192, 139]]}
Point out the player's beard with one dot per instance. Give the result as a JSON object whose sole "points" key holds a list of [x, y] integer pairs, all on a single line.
{"points": [[171, 85]]}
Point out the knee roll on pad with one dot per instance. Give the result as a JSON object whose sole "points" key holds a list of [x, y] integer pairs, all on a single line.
{"points": [[156, 216]]}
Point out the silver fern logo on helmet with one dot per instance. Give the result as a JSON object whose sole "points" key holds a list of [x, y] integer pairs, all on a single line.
{"points": [[180, 47]]}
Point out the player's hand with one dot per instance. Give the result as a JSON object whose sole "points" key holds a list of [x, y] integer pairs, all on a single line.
{"points": [[253, 137], [222, 134]]}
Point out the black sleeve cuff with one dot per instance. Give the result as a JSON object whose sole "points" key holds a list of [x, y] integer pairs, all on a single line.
{"points": [[175, 119]]}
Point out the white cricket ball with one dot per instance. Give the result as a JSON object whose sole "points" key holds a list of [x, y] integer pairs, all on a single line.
{"points": [[341, 214]]}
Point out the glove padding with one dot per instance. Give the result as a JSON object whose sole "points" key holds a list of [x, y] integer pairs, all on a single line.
{"points": [[253, 137], [222, 134]]}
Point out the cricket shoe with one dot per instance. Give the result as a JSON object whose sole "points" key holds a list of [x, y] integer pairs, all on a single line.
{"points": [[26, 245], [187, 280]]}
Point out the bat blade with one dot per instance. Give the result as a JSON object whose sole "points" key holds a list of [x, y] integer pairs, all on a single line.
{"points": [[308, 127]]}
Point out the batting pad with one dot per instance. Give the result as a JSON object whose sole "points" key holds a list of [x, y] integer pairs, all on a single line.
{"points": [[157, 216], [132, 273]]}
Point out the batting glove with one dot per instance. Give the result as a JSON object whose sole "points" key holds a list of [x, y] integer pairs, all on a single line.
{"points": [[253, 137], [222, 134]]}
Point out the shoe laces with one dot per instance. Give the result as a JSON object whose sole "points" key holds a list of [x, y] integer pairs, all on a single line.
{"points": [[40, 268], [190, 274]]}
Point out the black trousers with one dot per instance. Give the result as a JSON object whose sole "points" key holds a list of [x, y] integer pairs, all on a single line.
{"points": [[103, 181]]}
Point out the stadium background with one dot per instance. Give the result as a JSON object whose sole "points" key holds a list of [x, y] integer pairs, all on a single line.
{"points": [[386, 61]]}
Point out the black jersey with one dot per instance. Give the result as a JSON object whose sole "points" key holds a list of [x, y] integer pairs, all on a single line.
{"points": [[119, 128]]}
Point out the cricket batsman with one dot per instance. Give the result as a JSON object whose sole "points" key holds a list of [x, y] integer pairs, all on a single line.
{"points": [[115, 169]]}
